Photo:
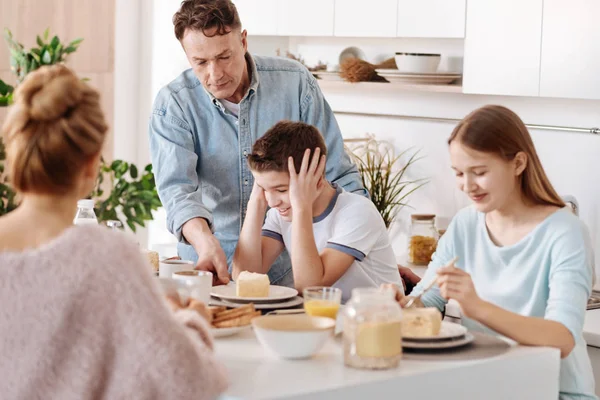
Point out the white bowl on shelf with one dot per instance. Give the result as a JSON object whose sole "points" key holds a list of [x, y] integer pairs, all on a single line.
{"points": [[293, 336], [417, 63]]}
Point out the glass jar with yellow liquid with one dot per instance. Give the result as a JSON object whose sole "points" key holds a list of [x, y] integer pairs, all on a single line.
{"points": [[322, 301], [372, 329]]}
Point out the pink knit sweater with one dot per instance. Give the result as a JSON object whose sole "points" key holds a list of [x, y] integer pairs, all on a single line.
{"points": [[82, 318]]}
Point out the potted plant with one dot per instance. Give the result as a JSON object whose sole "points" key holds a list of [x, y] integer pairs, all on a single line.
{"points": [[383, 174], [121, 191]]}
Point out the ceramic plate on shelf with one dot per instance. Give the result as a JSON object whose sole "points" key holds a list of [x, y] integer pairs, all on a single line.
{"points": [[276, 293], [395, 76], [449, 330], [289, 303], [439, 344], [328, 76], [223, 332]]}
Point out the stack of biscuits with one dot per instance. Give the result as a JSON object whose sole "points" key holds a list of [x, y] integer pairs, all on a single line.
{"points": [[224, 318]]}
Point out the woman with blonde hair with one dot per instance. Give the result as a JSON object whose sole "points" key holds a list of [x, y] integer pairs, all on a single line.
{"points": [[525, 261], [81, 315]]}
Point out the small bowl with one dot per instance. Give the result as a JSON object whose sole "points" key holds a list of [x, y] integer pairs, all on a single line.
{"points": [[417, 63], [294, 336]]}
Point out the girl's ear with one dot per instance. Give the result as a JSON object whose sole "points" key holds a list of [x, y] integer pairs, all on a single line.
{"points": [[520, 163]]}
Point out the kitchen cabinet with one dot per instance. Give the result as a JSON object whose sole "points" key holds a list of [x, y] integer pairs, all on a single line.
{"points": [[570, 64], [502, 47], [431, 18], [353, 19], [259, 17], [306, 17]]}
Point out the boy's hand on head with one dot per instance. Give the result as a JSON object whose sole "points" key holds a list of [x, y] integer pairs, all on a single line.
{"points": [[257, 196], [306, 184]]}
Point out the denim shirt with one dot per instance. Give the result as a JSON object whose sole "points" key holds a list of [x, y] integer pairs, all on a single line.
{"points": [[199, 148]]}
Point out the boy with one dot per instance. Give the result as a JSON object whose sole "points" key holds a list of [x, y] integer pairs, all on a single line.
{"points": [[334, 238]]}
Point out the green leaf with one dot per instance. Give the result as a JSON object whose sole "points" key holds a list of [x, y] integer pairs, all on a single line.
{"points": [[75, 42], [55, 42], [5, 88], [39, 41], [46, 58], [46, 33], [70, 49], [57, 54], [133, 171]]}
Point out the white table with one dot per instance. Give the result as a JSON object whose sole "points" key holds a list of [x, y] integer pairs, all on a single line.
{"points": [[519, 373]]}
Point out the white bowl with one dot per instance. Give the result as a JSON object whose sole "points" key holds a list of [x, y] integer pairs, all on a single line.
{"points": [[293, 336], [417, 63]]}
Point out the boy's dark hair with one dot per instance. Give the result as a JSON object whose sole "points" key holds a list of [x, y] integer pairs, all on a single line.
{"points": [[285, 139], [204, 15]]}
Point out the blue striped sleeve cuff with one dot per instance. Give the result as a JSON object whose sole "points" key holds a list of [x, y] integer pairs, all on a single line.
{"points": [[272, 235], [357, 254]]}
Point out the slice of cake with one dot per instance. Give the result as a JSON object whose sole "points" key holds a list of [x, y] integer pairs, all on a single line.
{"points": [[252, 284], [421, 322]]}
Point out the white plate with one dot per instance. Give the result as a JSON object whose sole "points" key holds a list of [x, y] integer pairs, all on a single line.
{"points": [[449, 330], [276, 293], [393, 76], [293, 302], [391, 71], [223, 332], [328, 76], [442, 344]]}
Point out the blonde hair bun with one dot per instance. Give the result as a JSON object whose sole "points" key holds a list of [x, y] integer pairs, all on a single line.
{"points": [[52, 95], [54, 127]]}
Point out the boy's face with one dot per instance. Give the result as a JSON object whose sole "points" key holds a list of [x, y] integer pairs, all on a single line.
{"points": [[276, 186]]}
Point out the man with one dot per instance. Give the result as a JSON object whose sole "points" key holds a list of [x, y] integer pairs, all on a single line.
{"points": [[205, 122]]}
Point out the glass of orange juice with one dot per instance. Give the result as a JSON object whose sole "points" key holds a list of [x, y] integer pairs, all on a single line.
{"points": [[322, 301]]}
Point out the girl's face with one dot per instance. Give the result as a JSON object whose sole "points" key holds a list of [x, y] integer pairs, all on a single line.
{"points": [[489, 180]]}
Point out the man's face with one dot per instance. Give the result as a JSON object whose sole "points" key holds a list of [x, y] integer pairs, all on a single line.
{"points": [[218, 61]]}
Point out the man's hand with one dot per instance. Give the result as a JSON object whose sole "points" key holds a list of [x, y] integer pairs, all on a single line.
{"points": [[211, 256], [306, 184], [409, 278]]}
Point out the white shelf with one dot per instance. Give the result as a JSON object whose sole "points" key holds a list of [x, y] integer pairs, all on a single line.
{"points": [[370, 87]]}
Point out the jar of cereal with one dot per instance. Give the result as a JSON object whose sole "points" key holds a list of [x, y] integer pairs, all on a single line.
{"points": [[422, 239]]}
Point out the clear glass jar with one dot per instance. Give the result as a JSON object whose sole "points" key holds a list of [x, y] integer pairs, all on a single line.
{"points": [[423, 239], [85, 213], [372, 329]]}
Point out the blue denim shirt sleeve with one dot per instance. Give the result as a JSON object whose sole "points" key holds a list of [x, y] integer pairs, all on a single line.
{"points": [[174, 159], [315, 110]]}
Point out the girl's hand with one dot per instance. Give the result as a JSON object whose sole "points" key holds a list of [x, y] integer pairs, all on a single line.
{"points": [[400, 298], [454, 283]]}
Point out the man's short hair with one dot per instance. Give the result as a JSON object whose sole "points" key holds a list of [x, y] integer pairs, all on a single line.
{"points": [[205, 15], [285, 139]]}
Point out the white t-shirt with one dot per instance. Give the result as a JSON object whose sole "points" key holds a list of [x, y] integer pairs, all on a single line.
{"points": [[233, 108], [350, 224]]}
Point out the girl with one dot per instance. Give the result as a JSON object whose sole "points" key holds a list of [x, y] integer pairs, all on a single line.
{"points": [[525, 264]]}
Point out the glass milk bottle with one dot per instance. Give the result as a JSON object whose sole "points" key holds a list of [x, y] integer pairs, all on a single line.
{"points": [[372, 329], [85, 213]]}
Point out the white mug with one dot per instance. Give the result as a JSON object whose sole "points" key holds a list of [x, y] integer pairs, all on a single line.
{"points": [[198, 284], [167, 267]]}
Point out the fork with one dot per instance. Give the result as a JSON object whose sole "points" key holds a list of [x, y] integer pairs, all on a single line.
{"points": [[411, 302]]}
